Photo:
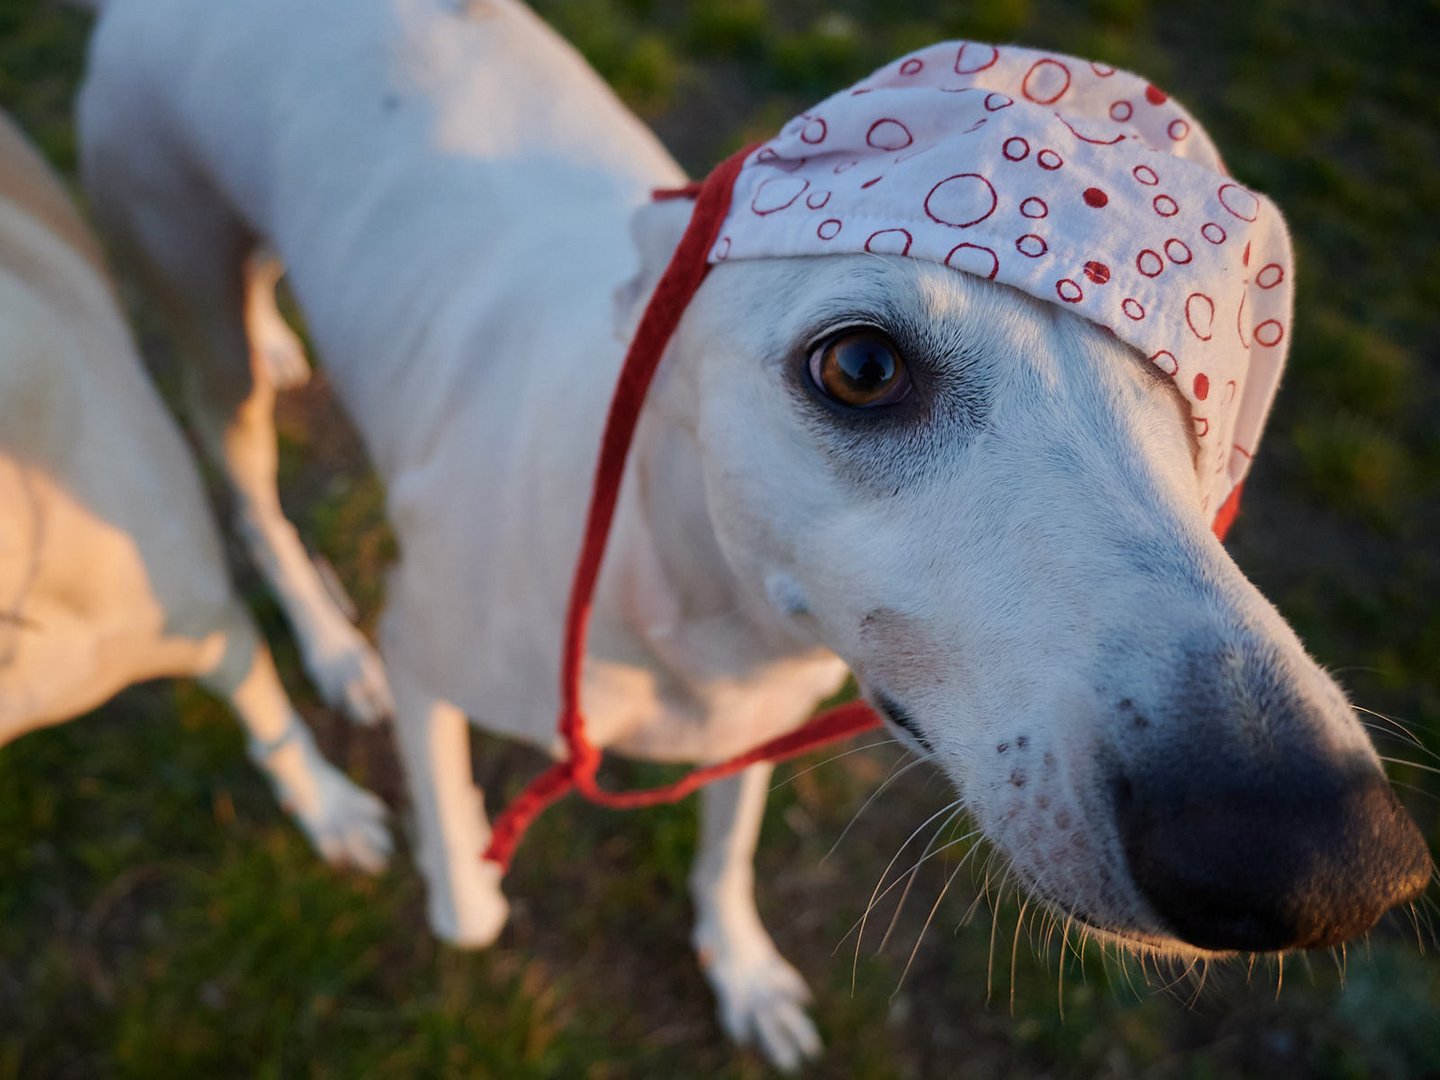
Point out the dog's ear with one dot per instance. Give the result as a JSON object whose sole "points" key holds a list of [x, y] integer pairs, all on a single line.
{"points": [[655, 230]]}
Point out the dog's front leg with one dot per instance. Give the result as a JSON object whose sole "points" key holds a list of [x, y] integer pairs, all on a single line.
{"points": [[464, 901], [344, 821], [762, 998]]}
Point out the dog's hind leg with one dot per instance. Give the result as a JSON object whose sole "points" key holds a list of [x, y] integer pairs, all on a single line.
{"points": [[465, 904], [234, 410], [344, 822], [193, 256], [761, 997]]}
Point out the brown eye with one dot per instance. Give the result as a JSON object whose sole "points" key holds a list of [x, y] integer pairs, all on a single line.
{"points": [[860, 369]]}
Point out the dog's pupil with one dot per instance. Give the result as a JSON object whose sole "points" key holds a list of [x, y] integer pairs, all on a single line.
{"points": [[865, 363]]}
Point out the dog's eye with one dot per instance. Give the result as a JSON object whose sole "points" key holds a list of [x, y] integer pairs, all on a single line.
{"points": [[860, 368]]}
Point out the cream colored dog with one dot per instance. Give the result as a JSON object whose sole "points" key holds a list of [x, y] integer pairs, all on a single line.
{"points": [[458, 201], [110, 569]]}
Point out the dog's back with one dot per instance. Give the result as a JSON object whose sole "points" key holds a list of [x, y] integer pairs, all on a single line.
{"points": [[396, 153], [111, 570], [109, 565], [450, 188]]}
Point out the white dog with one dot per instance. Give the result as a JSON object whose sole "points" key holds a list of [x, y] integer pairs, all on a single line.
{"points": [[110, 568], [454, 195]]}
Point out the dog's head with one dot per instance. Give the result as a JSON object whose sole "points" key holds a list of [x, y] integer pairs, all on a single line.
{"points": [[999, 514], [988, 508]]}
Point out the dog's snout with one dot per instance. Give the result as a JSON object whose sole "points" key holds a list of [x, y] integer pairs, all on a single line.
{"points": [[1263, 859]]}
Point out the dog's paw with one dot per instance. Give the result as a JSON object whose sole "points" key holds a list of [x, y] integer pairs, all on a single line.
{"points": [[762, 1002], [276, 347], [472, 911], [346, 823], [284, 360], [349, 675]]}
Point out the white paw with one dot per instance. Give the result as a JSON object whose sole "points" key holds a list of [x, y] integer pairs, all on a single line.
{"points": [[276, 346], [284, 360], [762, 1002], [349, 675], [345, 822], [468, 910]]}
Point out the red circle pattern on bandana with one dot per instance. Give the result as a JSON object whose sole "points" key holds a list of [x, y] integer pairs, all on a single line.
{"points": [[1081, 185]]}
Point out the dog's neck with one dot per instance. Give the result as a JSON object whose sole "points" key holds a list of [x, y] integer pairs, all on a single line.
{"points": [[717, 641]]}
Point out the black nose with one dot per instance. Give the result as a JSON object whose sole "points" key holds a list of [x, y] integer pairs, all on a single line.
{"points": [[1259, 860]]}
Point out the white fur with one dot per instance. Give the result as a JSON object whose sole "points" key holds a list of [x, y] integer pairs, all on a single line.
{"points": [[110, 569], [452, 191]]}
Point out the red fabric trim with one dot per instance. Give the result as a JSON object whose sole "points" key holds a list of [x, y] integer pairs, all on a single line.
{"points": [[1228, 512], [685, 191]]}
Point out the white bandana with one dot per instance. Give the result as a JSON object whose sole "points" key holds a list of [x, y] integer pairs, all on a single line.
{"points": [[1071, 181]]}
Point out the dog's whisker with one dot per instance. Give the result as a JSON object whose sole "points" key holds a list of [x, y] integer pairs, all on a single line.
{"points": [[928, 920], [1309, 968], [1049, 923], [976, 902], [1169, 978], [1428, 927], [1403, 725], [994, 904], [910, 876], [1336, 957], [1040, 915], [1410, 910], [929, 854], [910, 881], [1411, 764], [1398, 732], [1200, 986], [1427, 907], [1015, 952], [1060, 983], [1123, 955], [949, 808], [860, 937], [1380, 731], [792, 777], [1418, 789], [890, 779], [1084, 939], [994, 927]]}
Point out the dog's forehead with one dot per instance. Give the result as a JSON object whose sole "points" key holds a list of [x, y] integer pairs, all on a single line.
{"points": [[1027, 384], [798, 299], [1017, 340]]}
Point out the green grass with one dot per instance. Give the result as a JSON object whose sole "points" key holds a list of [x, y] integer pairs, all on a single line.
{"points": [[159, 916]]}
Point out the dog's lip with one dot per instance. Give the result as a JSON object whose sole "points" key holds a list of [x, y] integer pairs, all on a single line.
{"points": [[1147, 941], [1136, 939], [899, 717]]}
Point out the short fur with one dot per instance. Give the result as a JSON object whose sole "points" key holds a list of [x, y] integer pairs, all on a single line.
{"points": [[1014, 559]]}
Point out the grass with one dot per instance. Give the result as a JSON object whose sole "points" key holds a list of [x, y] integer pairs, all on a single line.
{"points": [[159, 916]]}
